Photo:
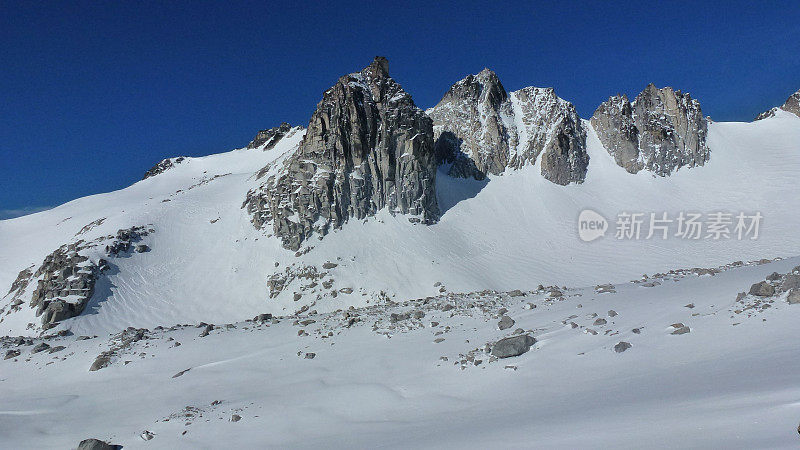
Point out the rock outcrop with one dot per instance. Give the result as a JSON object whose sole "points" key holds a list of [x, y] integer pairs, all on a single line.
{"points": [[661, 131], [163, 166], [65, 281], [791, 105], [367, 147], [267, 139], [480, 129]]}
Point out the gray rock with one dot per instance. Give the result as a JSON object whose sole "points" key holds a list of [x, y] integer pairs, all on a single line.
{"points": [[612, 313], [163, 166], [262, 317], [661, 131], [505, 323], [367, 147], [12, 354], [600, 321], [235, 418], [622, 346], [57, 348], [794, 297], [476, 131], [96, 444], [681, 330], [515, 293], [792, 281], [513, 346], [102, 361], [141, 248], [762, 289], [40, 348], [310, 355], [774, 276]]}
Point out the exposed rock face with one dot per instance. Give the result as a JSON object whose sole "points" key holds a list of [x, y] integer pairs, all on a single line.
{"points": [[66, 279], [269, 138], [792, 105], [480, 128], [661, 131], [367, 147], [163, 166]]}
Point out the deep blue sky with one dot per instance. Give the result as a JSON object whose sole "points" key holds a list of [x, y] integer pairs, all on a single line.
{"points": [[94, 93]]}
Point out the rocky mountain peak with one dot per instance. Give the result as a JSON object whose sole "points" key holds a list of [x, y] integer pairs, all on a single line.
{"points": [[367, 147], [270, 137], [379, 67], [661, 131], [480, 128], [791, 105]]}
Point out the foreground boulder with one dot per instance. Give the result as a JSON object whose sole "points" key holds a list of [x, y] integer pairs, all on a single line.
{"points": [[482, 129], [367, 147], [96, 444], [513, 346], [661, 131]]}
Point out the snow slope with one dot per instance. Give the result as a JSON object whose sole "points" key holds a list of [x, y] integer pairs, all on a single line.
{"points": [[731, 382], [513, 231]]}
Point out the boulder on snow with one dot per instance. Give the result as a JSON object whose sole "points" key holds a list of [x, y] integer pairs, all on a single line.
{"points": [[12, 354], [794, 297], [513, 346], [791, 281], [762, 289], [681, 330], [96, 444], [40, 348], [622, 346], [505, 323]]}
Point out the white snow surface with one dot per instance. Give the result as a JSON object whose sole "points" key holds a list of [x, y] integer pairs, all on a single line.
{"points": [[516, 231], [731, 382]]}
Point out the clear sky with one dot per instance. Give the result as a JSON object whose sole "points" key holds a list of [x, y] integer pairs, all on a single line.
{"points": [[94, 93]]}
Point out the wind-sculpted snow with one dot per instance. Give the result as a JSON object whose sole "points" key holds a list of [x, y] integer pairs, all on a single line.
{"points": [[478, 124], [367, 147], [64, 283], [600, 365], [661, 131]]}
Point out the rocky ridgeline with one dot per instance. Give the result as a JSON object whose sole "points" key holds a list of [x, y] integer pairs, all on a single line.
{"points": [[791, 105], [661, 131], [66, 279], [367, 147], [481, 129], [163, 166], [267, 139]]}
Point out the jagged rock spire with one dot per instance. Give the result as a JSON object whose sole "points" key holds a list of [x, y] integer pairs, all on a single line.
{"points": [[367, 147], [661, 131], [480, 128]]}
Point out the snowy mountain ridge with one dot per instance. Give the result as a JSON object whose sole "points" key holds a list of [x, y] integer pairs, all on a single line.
{"points": [[340, 197]]}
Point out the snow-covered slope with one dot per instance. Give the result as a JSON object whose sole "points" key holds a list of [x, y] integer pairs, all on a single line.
{"points": [[381, 379], [513, 231]]}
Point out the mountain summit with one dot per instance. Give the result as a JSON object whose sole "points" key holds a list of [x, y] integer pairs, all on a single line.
{"points": [[367, 147], [478, 124]]}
